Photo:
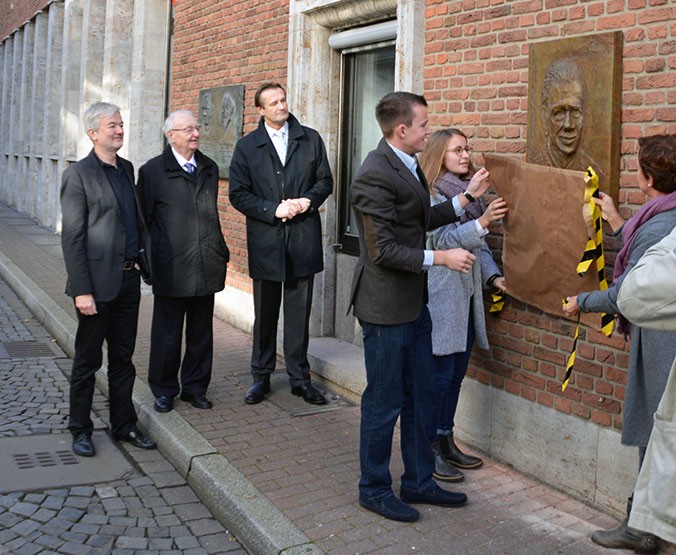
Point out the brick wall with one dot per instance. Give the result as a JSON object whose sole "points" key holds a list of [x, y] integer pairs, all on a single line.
{"points": [[476, 78], [214, 46], [16, 12]]}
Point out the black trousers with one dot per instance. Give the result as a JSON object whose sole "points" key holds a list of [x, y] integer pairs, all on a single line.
{"points": [[116, 322], [297, 295], [169, 315]]}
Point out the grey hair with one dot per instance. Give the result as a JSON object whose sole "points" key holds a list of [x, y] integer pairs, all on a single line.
{"points": [[169, 122], [96, 111], [560, 71]]}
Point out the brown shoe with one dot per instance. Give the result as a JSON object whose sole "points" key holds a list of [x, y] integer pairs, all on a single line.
{"points": [[625, 537]]}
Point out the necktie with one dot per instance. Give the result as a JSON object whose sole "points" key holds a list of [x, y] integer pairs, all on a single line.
{"points": [[190, 168], [419, 174], [279, 140]]}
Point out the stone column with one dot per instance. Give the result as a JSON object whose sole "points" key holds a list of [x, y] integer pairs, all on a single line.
{"points": [[50, 177], [5, 65], [21, 181], [117, 54], [14, 104], [91, 66], [36, 150], [70, 80], [148, 87]]}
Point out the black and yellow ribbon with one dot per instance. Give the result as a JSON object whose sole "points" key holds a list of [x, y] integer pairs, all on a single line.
{"points": [[571, 359], [497, 301], [593, 251]]}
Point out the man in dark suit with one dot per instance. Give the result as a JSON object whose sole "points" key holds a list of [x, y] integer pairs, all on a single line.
{"points": [[279, 177], [179, 189], [391, 203], [102, 233]]}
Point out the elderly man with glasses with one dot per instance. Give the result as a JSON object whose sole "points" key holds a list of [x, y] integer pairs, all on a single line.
{"points": [[179, 191]]}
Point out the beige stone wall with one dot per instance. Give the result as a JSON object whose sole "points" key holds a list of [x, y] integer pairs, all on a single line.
{"points": [[65, 57]]}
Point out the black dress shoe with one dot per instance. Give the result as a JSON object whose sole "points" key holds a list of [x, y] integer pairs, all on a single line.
{"points": [[136, 437], [197, 400], [433, 495], [164, 403], [82, 445], [390, 507], [256, 393], [309, 394]]}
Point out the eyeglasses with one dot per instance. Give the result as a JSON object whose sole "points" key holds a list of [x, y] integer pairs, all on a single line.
{"points": [[459, 149], [188, 130]]}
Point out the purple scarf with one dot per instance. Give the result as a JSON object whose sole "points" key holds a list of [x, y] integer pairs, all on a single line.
{"points": [[450, 185], [659, 204]]}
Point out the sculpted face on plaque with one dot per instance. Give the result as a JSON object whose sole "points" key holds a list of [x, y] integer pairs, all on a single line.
{"points": [[562, 115]]}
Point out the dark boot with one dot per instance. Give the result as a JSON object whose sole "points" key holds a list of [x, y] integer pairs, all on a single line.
{"points": [[624, 537], [443, 471], [450, 451]]}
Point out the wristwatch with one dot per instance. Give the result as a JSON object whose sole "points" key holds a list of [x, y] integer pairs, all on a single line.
{"points": [[469, 197]]}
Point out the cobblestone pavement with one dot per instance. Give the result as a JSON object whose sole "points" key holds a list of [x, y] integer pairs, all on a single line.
{"points": [[149, 510]]}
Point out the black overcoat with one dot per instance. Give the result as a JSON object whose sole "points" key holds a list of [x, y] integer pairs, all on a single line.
{"points": [[189, 254], [259, 182]]}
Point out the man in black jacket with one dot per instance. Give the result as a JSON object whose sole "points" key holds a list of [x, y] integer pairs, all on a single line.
{"points": [[102, 232], [189, 257], [279, 177]]}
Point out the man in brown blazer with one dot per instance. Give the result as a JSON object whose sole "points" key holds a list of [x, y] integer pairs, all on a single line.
{"points": [[391, 203]]}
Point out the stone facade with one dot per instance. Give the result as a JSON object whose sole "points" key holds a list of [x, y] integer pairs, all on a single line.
{"points": [[64, 57]]}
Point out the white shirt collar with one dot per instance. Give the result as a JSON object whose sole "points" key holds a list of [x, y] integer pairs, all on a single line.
{"points": [[182, 161], [282, 132], [409, 161]]}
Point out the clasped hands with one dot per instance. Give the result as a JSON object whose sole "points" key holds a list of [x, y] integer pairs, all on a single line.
{"points": [[291, 207]]}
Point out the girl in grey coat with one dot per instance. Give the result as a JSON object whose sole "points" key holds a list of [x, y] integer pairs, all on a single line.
{"points": [[455, 299]]}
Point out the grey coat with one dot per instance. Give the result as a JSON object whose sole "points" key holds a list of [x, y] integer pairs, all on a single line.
{"points": [[651, 352], [453, 294]]}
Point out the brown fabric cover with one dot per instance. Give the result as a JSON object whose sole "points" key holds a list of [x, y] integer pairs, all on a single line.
{"points": [[544, 233]]}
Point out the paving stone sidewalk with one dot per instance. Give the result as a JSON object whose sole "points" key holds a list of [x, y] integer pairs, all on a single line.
{"points": [[150, 510], [305, 463]]}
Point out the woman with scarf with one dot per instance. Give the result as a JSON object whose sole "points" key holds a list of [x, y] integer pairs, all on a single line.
{"points": [[651, 352], [455, 299]]}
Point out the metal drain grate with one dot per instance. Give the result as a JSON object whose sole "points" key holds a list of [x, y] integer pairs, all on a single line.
{"points": [[43, 459], [27, 349], [41, 462]]}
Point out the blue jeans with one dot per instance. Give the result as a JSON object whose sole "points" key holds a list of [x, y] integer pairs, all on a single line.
{"points": [[400, 383], [451, 370]]}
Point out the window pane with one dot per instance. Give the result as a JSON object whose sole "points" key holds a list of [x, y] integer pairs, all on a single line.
{"points": [[368, 76]]}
